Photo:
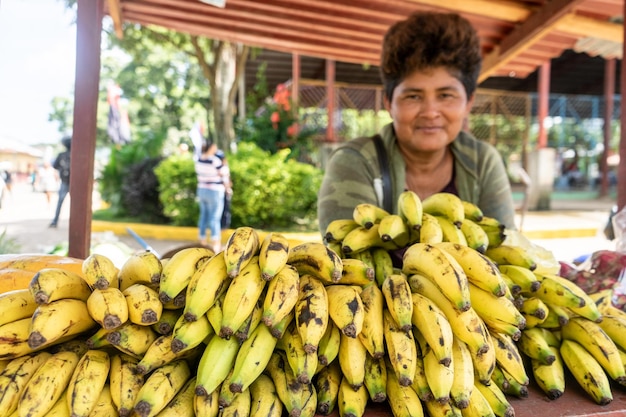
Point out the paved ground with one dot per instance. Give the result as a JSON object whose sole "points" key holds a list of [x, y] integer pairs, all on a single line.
{"points": [[570, 229]]}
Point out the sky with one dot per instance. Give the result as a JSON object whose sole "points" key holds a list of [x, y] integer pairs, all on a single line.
{"points": [[37, 60]]}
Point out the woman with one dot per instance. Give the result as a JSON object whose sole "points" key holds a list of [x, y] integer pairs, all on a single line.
{"points": [[429, 68], [213, 179], [47, 181]]}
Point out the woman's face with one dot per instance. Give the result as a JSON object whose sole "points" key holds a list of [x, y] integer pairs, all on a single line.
{"points": [[428, 109]]}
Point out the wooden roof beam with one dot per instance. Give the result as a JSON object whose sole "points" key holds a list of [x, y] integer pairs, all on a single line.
{"points": [[115, 11], [582, 26], [506, 10]]}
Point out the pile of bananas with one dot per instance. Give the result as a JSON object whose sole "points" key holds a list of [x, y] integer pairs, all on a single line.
{"points": [[269, 328]]}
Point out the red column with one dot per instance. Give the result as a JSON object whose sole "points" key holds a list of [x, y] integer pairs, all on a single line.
{"points": [[621, 169], [295, 84], [330, 95], [544, 96], [609, 91]]}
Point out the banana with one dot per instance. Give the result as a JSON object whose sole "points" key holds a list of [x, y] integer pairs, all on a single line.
{"points": [[16, 305], [478, 405], [508, 384], [534, 344], [59, 409], [47, 384], [485, 363], [315, 259], [177, 273], [98, 339], [100, 272], [189, 334], [410, 209], [328, 347], [597, 342], [437, 409], [432, 323], [420, 384], [345, 309], [279, 328], [336, 247], [550, 378], [442, 269], [383, 264], [497, 400], [337, 229], [445, 204], [403, 400], [141, 268], [302, 363], [430, 232], [513, 289], [160, 388], [479, 269], [375, 380], [108, 307], [367, 215], [472, 211], [463, 375], [506, 254], [356, 272], [554, 292], [264, 400], [207, 284], [496, 310], [251, 322], [475, 236], [362, 239], [273, 254], [615, 328], [392, 228], [557, 316], [589, 310], [534, 311], [351, 402], [451, 231], [401, 350], [440, 378], [51, 284], [78, 345], [397, 293], [587, 371], [182, 404], [132, 338], [366, 257], [466, 325], [87, 382], [372, 334], [207, 405], [15, 377], [144, 306], [59, 319], [252, 358], [124, 382], [351, 357], [239, 406], [167, 321], [240, 298], [508, 357], [522, 276], [216, 362], [158, 354], [289, 390], [240, 247], [281, 295], [327, 383]]}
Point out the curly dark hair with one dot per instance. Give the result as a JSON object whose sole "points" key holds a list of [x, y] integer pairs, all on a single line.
{"points": [[428, 40]]}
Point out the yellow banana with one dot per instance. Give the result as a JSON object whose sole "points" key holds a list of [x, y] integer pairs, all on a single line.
{"points": [[372, 334], [534, 344], [132, 338], [436, 409], [534, 311], [509, 358], [252, 358], [315, 259], [124, 382], [167, 321], [100, 272], [587, 371], [345, 309], [177, 273], [216, 362], [521, 276], [189, 334], [383, 264], [161, 387], [281, 295], [362, 239], [327, 383], [312, 312], [472, 211], [475, 236], [239, 406], [505, 254], [410, 209], [328, 347], [251, 322], [550, 378], [51, 284], [207, 405], [98, 339], [433, 324], [367, 215], [288, 389], [484, 363], [59, 319], [144, 306], [440, 378], [497, 400], [442, 269], [420, 384], [463, 379], [392, 228], [15, 377], [366, 257], [16, 305], [397, 293], [451, 232], [241, 297], [59, 409], [302, 363], [555, 293], [158, 354], [351, 357], [207, 284], [494, 310], [356, 272], [264, 399], [338, 229], [478, 405], [401, 350], [479, 269], [589, 310], [403, 400], [513, 289], [351, 401], [615, 328], [108, 307], [431, 231], [376, 378], [182, 404], [507, 384], [445, 204], [241, 246], [47, 384], [273, 254], [141, 268], [104, 405], [87, 382]]}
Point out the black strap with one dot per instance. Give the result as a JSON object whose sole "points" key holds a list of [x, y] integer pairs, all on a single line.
{"points": [[384, 173]]}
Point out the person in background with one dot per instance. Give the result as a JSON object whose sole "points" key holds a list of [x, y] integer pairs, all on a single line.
{"points": [[429, 68], [47, 181], [62, 165], [213, 180]]}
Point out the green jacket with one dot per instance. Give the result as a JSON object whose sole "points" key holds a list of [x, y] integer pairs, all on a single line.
{"points": [[352, 176]]}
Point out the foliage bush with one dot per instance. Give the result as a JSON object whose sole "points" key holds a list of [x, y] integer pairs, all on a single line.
{"points": [[177, 189], [140, 194]]}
